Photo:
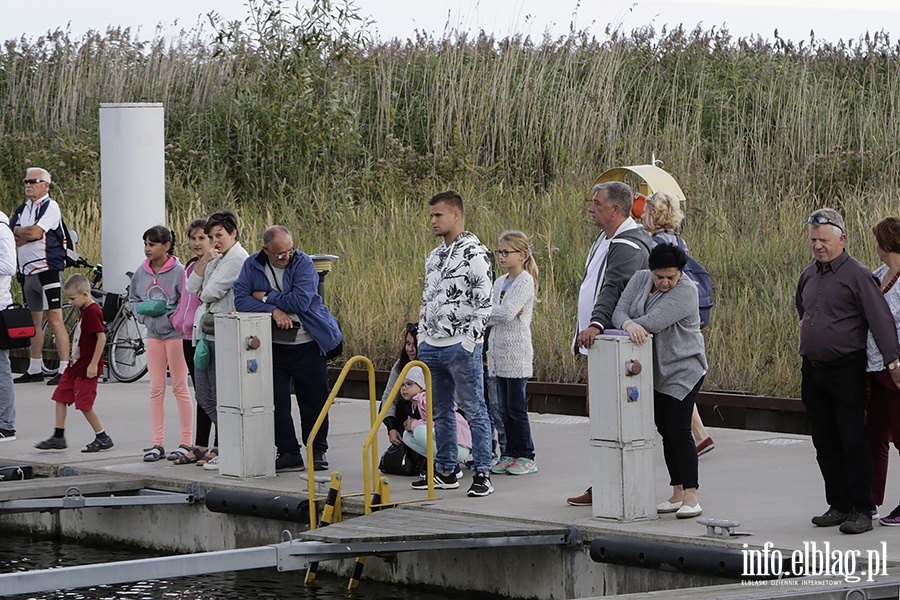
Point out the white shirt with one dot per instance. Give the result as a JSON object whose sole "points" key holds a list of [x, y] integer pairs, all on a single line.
{"points": [[33, 255], [587, 294], [7, 260]]}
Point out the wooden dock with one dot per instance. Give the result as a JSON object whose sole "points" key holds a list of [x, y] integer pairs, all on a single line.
{"points": [[406, 523]]}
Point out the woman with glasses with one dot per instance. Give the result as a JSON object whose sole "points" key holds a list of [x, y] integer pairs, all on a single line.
{"points": [[663, 301], [510, 353], [213, 282]]}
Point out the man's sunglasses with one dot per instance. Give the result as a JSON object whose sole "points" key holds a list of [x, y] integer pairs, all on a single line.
{"points": [[823, 220], [34, 181]]}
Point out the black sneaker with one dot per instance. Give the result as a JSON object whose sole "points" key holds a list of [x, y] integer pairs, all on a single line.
{"points": [[831, 518], [441, 482], [481, 485], [457, 471], [892, 520], [55, 379], [320, 463], [52, 443], [289, 462], [7, 435], [97, 445], [857, 522], [29, 377]]}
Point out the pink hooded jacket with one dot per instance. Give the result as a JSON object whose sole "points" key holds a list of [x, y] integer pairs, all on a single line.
{"points": [[463, 433]]}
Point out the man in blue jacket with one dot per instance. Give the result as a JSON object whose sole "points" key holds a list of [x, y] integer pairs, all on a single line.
{"points": [[282, 280]]}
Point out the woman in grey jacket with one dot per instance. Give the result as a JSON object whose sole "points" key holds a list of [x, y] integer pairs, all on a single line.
{"points": [[213, 282], [663, 302]]}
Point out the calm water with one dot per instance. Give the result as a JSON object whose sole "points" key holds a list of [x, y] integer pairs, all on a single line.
{"points": [[25, 553]]}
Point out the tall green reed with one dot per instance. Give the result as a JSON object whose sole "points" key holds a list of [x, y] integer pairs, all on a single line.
{"points": [[299, 118]]}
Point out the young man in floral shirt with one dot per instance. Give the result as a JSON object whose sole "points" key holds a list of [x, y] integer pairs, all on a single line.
{"points": [[455, 306]]}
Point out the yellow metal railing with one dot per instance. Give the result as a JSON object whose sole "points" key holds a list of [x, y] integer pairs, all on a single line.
{"points": [[322, 416], [369, 468]]}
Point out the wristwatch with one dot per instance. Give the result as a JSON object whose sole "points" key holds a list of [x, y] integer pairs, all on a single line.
{"points": [[894, 364], [266, 297]]}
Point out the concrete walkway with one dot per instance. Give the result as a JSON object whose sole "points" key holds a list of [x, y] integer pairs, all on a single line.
{"points": [[769, 482]]}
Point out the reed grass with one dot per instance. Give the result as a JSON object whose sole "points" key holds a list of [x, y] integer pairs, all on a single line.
{"points": [[300, 119]]}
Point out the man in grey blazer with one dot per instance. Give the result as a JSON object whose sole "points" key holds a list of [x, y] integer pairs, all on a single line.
{"points": [[620, 250]]}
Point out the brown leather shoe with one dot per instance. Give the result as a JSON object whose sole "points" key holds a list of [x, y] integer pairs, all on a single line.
{"points": [[586, 499]]}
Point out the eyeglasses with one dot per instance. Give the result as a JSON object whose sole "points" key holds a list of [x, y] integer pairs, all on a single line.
{"points": [[412, 328], [823, 220], [407, 383], [34, 181], [289, 254], [505, 253]]}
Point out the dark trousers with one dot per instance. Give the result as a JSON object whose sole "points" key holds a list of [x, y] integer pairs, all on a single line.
{"points": [[204, 424], [673, 421], [514, 408], [834, 396], [307, 368], [883, 426]]}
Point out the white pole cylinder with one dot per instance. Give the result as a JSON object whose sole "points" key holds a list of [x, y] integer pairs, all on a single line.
{"points": [[133, 184]]}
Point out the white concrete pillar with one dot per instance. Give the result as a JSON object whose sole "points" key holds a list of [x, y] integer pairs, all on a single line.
{"points": [[623, 435], [133, 184]]}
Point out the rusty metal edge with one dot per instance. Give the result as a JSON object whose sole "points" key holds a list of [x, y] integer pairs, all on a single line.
{"points": [[578, 391]]}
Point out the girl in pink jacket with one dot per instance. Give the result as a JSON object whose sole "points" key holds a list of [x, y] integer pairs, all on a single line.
{"points": [[415, 433]]}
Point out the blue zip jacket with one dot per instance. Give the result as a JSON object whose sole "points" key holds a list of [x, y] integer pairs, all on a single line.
{"points": [[299, 295]]}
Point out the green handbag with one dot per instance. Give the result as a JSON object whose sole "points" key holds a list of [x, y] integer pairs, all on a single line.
{"points": [[153, 308], [201, 353]]}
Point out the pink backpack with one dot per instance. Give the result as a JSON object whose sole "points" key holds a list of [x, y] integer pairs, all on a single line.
{"points": [[183, 317]]}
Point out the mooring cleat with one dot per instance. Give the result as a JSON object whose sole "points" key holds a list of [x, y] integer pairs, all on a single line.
{"points": [[721, 528]]}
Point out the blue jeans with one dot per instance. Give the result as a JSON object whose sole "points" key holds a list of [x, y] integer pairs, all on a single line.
{"points": [[514, 408], [307, 367], [7, 397], [456, 373], [493, 402]]}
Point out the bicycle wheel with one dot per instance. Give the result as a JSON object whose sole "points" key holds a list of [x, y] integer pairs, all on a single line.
{"points": [[49, 353], [127, 351]]}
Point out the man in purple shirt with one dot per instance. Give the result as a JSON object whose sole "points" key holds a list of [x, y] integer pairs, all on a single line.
{"points": [[838, 301]]}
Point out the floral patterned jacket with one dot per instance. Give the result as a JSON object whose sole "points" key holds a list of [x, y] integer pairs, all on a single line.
{"points": [[456, 302]]}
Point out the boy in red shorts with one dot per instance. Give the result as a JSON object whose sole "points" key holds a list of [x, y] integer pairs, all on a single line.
{"points": [[78, 384]]}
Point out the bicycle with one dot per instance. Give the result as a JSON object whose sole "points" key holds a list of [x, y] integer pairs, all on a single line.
{"points": [[125, 350]]}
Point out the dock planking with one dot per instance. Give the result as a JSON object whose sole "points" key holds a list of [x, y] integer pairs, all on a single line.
{"points": [[413, 524], [52, 487]]}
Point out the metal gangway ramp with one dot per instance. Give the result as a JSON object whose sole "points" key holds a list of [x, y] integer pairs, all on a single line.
{"points": [[83, 491], [402, 529]]}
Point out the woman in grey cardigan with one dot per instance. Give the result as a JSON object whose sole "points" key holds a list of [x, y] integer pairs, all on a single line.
{"points": [[213, 282], [663, 302]]}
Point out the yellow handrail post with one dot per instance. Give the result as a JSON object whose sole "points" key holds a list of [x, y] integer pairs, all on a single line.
{"points": [[330, 514], [371, 440], [322, 416]]}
